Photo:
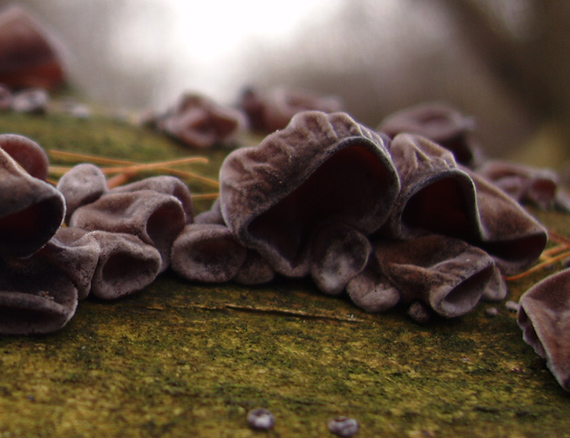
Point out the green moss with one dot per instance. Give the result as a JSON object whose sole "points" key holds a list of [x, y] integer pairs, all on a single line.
{"points": [[181, 359]]}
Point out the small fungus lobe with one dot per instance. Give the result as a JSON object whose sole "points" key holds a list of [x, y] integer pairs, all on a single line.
{"points": [[343, 426], [261, 419]]}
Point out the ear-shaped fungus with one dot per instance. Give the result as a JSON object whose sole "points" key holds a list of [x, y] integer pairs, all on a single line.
{"points": [[371, 290], [446, 273], [29, 55], [208, 253], [321, 169], [154, 217], [31, 210], [125, 265], [440, 123], [76, 253], [273, 110], [27, 153], [523, 183], [508, 233], [436, 196], [35, 297], [199, 122], [167, 185], [339, 253], [543, 318], [82, 185]]}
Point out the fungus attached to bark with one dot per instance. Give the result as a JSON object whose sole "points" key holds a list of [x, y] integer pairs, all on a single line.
{"points": [[199, 122], [30, 56], [543, 318], [509, 233], [82, 185], [207, 253], [31, 210], [35, 296], [156, 218], [321, 169], [446, 273], [436, 196], [27, 153], [440, 123], [523, 183], [126, 265], [273, 110]]}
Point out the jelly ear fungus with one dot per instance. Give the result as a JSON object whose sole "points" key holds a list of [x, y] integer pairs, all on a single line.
{"points": [[322, 169]]}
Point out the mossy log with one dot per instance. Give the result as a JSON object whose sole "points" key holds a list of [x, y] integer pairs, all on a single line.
{"points": [[181, 359]]}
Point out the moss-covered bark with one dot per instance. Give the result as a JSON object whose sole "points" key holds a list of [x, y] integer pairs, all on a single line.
{"points": [[181, 359]]}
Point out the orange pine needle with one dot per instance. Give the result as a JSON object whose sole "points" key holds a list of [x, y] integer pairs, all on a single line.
{"points": [[206, 196], [539, 267]]}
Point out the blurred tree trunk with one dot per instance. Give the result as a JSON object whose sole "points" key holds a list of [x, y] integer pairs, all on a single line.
{"points": [[535, 65]]}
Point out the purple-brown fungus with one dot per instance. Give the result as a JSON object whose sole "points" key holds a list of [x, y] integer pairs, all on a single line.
{"points": [[323, 169], [446, 273], [29, 54], [543, 318], [82, 185], [200, 122], [31, 210], [436, 196], [207, 253], [525, 184], [441, 123], [156, 218], [27, 153], [272, 110], [35, 296]]}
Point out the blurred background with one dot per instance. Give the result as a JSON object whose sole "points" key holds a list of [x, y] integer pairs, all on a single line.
{"points": [[506, 62]]}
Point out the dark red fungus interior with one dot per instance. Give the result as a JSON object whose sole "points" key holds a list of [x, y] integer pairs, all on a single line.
{"points": [[516, 249], [29, 229], [441, 208], [25, 320], [349, 188], [165, 224], [123, 270]]}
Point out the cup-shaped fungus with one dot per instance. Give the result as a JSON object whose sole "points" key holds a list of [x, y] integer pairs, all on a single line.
{"points": [[208, 253], [543, 318], [440, 123], [436, 196], [446, 273], [272, 110], [322, 169], [523, 183], [31, 210], [35, 296], [82, 185], [76, 253], [508, 232], [30, 56], [339, 253], [371, 290], [167, 185], [27, 153], [126, 265], [156, 218], [199, 122]]}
